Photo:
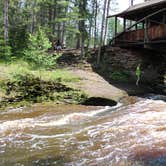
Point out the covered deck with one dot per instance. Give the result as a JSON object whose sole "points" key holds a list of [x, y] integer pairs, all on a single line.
{"points": [[146, 25]]}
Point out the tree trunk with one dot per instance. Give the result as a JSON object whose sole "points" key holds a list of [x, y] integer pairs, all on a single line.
{"points": [[59, 23], [54, 17], [64, 27], [78, 36], [102, 30], [50, 16], [33, 15], [82, 29], [6, 19], [131, 2], [106, 23], [95, 24], [91, 24], [82, 38]]}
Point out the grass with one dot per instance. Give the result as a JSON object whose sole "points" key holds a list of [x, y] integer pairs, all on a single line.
{"points": [[12, 74], [10, 71]]}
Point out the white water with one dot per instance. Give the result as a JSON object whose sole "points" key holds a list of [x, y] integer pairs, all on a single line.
{"points": [[113, 136]]}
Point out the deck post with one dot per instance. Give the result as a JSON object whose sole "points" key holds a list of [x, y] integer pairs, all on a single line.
{"points": [[115, 32], [146, 31], [116, 19], [136, 27], [164, 17], [143, 25], [146, 38], [124, 24]]}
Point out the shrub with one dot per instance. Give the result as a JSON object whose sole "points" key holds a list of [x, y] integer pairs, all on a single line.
{"points": [[119, 76], [5, 50], [36, 52]]}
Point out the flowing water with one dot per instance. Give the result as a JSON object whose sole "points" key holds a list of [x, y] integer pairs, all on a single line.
{"points": [[69, 135]]}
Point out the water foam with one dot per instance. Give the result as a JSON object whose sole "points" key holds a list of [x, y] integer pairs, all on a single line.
{"points": [[16, 126]]}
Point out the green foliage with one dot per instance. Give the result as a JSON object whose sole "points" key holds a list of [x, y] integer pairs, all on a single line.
{"points": [[18, 40], [72, 96], [10, 71], [36, 52], [63, 3], [5, 50], [119, 76], [19, 82], [30, 87], [111, 27]]}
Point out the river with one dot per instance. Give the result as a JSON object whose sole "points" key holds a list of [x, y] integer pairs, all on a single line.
{"points": [[70, 135]]}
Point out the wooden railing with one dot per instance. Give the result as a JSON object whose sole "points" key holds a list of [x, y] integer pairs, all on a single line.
{"points": [[153, 33], [141, 34]]}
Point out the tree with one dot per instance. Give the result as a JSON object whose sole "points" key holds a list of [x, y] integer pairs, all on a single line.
{"points": [[73, 22], [106, 24], [6, 19], [102, 30]]}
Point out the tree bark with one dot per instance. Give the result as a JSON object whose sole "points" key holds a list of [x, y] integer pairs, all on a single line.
{"points": [[95, 24], [50, 16], [82, 29], [91, 24], [106, 22], [33, 15], [6, 19], [102, 30], [131, 2], [54, 17]]}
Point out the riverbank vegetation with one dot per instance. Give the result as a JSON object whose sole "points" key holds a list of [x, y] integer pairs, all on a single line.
{"points": [[21, 84], [34, 75]]}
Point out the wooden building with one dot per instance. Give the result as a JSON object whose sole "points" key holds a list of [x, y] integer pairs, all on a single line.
{"points": [[144, 25]]}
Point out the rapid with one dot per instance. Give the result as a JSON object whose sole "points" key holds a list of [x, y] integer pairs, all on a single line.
{"points": [[71, 135]]}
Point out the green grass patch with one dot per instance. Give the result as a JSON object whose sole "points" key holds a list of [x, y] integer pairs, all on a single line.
{"points": [[11, 71], [19, 82], [119, 76]]}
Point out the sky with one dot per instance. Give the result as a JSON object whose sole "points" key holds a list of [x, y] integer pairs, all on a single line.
{"points": [[124, 4]]}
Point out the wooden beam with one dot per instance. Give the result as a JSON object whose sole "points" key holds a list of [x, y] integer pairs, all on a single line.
{"points": [[157, 22], [142, 42]]}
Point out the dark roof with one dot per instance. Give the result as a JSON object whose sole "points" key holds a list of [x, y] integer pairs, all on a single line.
{"points": [[136, 12]]}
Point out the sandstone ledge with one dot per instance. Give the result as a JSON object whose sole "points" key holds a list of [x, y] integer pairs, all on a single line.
{"points": [[95, 86]]}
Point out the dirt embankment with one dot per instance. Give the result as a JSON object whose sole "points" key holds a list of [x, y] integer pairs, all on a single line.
{"points": [[115, 76], [91, 83]]}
